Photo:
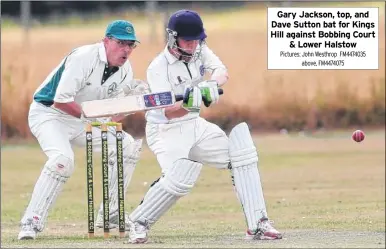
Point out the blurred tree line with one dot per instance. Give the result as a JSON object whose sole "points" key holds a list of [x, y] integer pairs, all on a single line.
{"points": [[44, 9]]}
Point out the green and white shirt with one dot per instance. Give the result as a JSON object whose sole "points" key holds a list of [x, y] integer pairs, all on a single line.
{"points": [[83, 75]]}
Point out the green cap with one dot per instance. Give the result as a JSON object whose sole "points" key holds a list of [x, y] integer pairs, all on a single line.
{"points": [[121, 30]]}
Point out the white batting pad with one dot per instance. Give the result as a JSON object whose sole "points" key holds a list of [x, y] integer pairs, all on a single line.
{"points": [[177, 182], [245, 174], [47, 188]]}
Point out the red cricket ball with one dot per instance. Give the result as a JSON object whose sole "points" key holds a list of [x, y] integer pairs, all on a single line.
{"points": [[358, 136]]}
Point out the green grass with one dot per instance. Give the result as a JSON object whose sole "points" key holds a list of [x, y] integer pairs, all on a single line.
{"points": [[323, 185]]}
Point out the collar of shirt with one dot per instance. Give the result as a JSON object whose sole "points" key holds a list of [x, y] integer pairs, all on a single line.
{"points": [[102, 53], [103, 57], [171, 58]]}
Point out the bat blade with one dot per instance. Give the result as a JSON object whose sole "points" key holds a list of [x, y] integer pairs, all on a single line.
{"points": [[127, 105]]}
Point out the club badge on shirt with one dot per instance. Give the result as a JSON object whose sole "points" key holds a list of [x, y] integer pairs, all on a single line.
{"points": [[112, 88], [202, 70]]}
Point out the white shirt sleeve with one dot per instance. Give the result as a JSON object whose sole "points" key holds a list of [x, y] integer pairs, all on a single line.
{"points": [[157, 79], [211, 61], [72, 78]]}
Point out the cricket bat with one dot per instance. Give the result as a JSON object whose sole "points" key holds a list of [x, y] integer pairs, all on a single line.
{"points": [[129, 104]]}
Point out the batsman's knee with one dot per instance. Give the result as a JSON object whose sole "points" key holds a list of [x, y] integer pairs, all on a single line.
{"points": [[181, 177], [60, 164], [242, 150]]}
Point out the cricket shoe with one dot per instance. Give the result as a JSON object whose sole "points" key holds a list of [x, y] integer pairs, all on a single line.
{"points": [[113, 220], [29, 228], [264, 231], [138, 232]]}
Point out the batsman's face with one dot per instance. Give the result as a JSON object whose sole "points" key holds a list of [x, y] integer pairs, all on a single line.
{"points": [[188, 46], [118, 51]]}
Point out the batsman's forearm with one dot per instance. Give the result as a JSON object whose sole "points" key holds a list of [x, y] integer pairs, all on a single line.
{"points": [[71, 108], [175, 111], [220, 75]]}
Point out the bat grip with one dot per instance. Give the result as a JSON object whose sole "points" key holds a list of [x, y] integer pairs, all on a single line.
{"points": [[181, 97]]}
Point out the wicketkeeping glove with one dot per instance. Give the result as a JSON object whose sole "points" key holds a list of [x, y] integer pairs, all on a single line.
{"points": [[192, 99], [90, 120], [136, 86]]}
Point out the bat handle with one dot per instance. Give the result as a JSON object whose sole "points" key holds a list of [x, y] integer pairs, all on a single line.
{"points": [[181, 97]]}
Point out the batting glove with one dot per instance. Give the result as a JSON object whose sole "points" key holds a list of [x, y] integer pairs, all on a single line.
{"points": [[209, 92], [192, 99]]}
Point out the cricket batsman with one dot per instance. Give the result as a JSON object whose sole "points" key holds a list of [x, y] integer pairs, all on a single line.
{"points": [[91, 72], [182, 141]]}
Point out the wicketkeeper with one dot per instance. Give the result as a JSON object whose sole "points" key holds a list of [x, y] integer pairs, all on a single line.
{"points": [[91, 72], [183, 141]]}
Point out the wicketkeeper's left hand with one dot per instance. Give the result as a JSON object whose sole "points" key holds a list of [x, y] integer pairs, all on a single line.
{"points": [[136, 86], [209, 92], [90, 120]]}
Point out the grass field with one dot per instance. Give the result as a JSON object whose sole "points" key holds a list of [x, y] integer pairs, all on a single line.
{"points": [[322, 190]]}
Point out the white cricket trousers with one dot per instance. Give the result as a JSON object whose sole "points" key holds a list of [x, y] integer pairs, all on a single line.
{"points": [[56, 132], [195, 139]]}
